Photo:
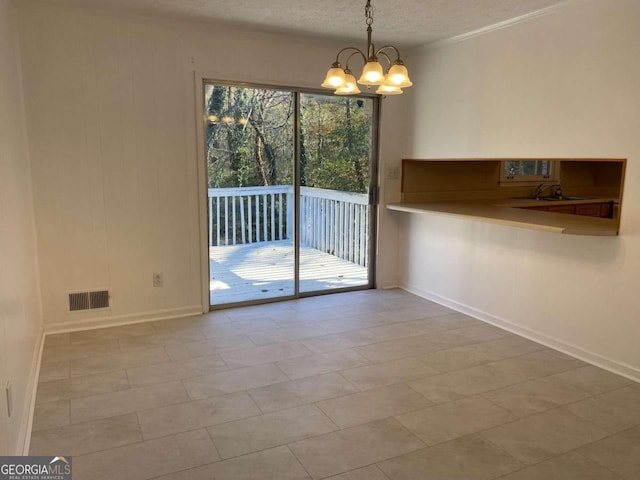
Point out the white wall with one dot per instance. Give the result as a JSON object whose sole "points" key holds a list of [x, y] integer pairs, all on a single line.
{"points": [[394, 129], [20, 313], [111, 111], [560, 85]]}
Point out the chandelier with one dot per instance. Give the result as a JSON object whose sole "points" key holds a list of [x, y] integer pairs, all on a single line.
{"points": [[391, 83]]}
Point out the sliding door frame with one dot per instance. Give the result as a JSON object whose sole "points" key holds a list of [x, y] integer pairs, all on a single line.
{"points": [[201, 80]]}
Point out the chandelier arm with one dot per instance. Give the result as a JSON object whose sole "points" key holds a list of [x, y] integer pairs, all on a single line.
{"points": [[355, 49], [380, 52], [392, 47], [346, 65]]}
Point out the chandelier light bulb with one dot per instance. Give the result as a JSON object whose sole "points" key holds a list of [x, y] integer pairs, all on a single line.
{"points": [[372, 74], [385, 89], [335, 77], [350, 86], [399, 76]]}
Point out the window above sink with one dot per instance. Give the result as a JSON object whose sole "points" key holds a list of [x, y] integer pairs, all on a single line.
{"points": [[528, 172]]}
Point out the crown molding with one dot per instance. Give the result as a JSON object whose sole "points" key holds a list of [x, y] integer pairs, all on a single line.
{"points": [[504, 24]]}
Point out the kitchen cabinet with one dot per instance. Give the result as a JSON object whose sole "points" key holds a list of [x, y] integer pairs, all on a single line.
{"points": [[606, 210], [562, 209], [593, 209]]}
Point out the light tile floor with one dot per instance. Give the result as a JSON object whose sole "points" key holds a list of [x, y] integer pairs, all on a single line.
{"points": [[368, 385]]}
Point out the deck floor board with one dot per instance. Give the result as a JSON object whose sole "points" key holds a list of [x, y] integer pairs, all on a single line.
{"points": [[256, 271]]}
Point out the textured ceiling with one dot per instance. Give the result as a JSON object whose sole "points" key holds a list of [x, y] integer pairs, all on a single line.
{"points": [[407, 23]]}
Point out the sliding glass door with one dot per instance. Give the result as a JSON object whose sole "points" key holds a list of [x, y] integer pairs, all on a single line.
{"points": [[250, 166], [288, 181], [335, 178]]}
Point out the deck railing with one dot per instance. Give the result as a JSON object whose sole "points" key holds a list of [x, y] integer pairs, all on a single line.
{"points": [[335, 222], [330, 221], [250, 214]]}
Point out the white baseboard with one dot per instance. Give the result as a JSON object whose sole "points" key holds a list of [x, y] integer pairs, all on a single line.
{"points": [[614, 366], [26, 423], [117, 320], [387, 285]]}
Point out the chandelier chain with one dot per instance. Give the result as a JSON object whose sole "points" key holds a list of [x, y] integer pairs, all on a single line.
{"points": [[368, 13]]}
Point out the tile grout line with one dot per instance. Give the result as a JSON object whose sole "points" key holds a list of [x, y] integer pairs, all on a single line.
{"points": [[298, 460], [215, 447]]}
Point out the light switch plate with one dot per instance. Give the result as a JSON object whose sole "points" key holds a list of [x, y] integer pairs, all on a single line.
{"points": [[393, 173]]}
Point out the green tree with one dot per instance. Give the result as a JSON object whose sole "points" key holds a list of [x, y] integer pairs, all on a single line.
{"points": [[250, 135]]}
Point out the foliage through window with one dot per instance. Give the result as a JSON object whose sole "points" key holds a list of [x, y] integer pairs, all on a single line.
{"points": [[250, 139], [249, 136], [335, 142], [528, 171]]}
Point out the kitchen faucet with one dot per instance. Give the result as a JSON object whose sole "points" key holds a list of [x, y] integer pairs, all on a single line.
{"points": [[543, 186]]}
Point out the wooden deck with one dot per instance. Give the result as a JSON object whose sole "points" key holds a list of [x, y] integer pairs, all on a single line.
{"points": [[265, 270]]}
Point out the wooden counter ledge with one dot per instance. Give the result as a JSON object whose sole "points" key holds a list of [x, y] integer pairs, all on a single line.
{"points": [[502, 212]]}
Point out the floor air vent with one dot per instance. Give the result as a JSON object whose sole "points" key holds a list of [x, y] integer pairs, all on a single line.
{"points": [[88, 300]]}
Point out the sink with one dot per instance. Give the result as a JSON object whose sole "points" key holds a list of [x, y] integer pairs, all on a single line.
{"points": [[532, 199], [555, 199]]}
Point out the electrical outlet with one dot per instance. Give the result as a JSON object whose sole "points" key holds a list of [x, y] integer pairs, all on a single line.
{"points": [[9, 394], [393, 173], [157, 280]]}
